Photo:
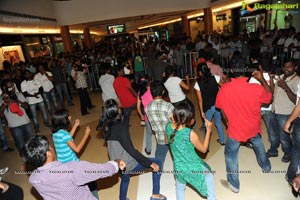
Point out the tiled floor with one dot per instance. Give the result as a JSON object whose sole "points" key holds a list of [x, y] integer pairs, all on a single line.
{"points": [[254, 185]]}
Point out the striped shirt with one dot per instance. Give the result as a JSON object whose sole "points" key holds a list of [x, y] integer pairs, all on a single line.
{"points": [[63, 152], [159, 112]]}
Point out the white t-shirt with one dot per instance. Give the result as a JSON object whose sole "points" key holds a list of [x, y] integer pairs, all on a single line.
{"points": [[44, 81], [287, 43], [175, 92], [267, 78], [32, 87], [106, 82], [196, 86]]}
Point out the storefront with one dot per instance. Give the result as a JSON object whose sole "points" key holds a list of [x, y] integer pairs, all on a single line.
{"points": [[11, 49], [38, 45], [255, 20], [196, 26]]}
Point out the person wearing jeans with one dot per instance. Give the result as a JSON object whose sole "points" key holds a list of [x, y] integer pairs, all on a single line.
{"points": [[50, 97], [231, 151], [45, 78], [241, 102], [209, 179], [207, 87], [159, 113], [292, 125], [32, 90], [120, 146], [60, 83], [33, 110], [125, 178], [17, 120], [126, 94]]}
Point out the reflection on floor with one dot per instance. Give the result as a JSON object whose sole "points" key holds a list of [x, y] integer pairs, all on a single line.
{"points": [[254, 184]]}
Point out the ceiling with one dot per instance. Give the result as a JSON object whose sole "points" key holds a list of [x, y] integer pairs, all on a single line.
{"points": [[133, 23], [100, 27]]}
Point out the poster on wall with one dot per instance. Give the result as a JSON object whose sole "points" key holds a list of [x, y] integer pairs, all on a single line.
{"points": [[12, 54]]}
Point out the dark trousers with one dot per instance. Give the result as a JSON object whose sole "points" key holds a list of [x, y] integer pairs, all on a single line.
{"points": [[14, 192], [85, 101]]}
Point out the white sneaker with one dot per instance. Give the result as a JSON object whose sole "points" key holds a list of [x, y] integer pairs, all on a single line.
{"points": [[3, 170], [228, 185]]}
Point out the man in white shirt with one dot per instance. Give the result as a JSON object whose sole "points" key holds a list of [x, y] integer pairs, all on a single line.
{"points": [[32, 90], [45, 79], [106, 83]]}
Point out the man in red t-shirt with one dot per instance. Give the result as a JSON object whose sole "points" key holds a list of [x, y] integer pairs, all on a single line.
{"points": [[241, 102], [126, 94]]}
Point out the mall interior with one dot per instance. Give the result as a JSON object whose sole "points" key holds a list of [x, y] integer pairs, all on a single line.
{"points": [[30, 29]]}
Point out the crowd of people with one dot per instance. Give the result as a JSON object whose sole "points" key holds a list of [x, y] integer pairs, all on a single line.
{"points": [[243, 79]]}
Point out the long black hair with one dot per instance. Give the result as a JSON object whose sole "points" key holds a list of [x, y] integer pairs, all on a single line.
{"points": [[182, 115], [60, 120], [206, 74], [143, 85], [110, 114]]}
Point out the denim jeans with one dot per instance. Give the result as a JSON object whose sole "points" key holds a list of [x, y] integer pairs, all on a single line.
{"points": [[231, 158], [41, 107], [3, 141], [295, 155], [126, 114], [160, 153], [209, 180], [50, 97], [148, 137], [21, 134], [213, 112], [125, 179], [267, 116], [62, 91], [279, 136]]}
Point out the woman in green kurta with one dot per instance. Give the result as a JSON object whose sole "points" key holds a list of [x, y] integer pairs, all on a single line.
{"points": [[188, 166]]}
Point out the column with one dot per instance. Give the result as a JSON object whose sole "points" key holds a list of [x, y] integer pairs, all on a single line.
{"points": [[185, 25], [66, 39], [87, 38], [208, 22]]}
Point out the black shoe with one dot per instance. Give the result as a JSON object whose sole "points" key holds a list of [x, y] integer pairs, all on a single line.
{"points": [[285, 158], [148, 153], [87, 113], [92, 106], [48, 125], [8, 150], [221, 143], [269, 155]]}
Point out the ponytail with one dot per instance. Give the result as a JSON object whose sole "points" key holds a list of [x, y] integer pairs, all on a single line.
{"points": [[173, 133]]}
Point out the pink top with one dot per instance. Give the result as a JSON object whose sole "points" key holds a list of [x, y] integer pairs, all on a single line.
{"points": [[215, 69], [146, 99]]}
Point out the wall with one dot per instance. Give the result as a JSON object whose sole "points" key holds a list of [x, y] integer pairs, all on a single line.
{"points": [[195, 27], [219, 25]]}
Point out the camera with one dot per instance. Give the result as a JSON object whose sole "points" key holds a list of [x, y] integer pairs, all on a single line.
{"points": [[276, 68], [80, 67]]}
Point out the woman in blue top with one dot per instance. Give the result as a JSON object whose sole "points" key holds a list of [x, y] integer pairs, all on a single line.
{"points": [[64, 145]]}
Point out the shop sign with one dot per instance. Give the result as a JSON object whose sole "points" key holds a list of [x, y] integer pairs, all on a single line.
{"points": [[221, 17]]}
